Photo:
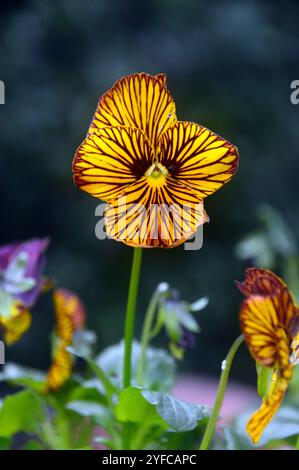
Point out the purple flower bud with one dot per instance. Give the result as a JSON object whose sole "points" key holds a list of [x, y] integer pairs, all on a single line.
{"points": [[21, 268]]}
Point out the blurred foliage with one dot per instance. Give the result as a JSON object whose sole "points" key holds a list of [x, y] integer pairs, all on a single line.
{"points": [[229, 66]]}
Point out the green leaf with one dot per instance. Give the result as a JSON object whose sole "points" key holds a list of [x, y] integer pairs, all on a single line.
{"points": [[160, 368], [33, 445], [83, 343], [5, 443], [97, 370], [134, 408], [89, 390], [264, 375], [85, 408], [179, 415], [235, 441], [23, 376], [22, 411], [101, 415]]}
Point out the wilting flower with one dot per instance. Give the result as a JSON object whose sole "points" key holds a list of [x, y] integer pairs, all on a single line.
{"points": [[70, 317], [153, 170], [21, 268], [270, 323]]}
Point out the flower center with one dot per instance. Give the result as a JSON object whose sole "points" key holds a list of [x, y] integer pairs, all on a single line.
{"points": [[156, 174]]}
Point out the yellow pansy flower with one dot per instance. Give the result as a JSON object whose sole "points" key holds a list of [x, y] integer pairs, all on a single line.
{"points": [[152, 170], [269, 321]]}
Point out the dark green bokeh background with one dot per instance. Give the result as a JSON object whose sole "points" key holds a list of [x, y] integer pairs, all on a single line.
{"points": [[229, 67]]}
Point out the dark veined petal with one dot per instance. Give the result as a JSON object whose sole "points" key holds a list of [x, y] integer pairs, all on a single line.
{"points": [[261, 418], [70, 317], [265, 283], [16, 324], [60, 369], [267, 340], [151, 214], [70, 314], [141, 101], [269, 321], [197, 157], [110, 159]]}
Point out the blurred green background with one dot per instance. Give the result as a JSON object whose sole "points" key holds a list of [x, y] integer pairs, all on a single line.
{"points": [[229, 67]]}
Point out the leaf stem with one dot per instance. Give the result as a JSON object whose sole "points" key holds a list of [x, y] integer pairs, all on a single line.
{"points": [[210, 429], [130, 314]]}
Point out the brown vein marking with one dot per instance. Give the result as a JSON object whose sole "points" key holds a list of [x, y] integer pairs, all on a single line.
{"points": [[129, 89], [157, 213], [117, 163], [178, 146]]}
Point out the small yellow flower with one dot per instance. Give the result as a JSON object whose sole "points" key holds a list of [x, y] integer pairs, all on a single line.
{"points": [[152, 170], [16, 324], [270, 323], [70, 317]]}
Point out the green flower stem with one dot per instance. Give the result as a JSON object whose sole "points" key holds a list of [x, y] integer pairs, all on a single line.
{"points": [[210, 429], [297, 443], [130, 314], [111, 390], [146, 332]]}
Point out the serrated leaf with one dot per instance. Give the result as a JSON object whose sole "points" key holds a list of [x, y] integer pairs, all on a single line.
{"points": [[178, 414]]}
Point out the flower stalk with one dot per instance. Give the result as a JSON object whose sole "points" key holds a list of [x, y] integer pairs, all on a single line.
{"points": [[210, 429], [130, 314], [146, 333]]}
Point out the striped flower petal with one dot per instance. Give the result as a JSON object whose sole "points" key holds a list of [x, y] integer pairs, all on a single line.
{"points": [[270, 323], [262, 417], [136, 148], [110, 159], [268, 342], [263, 282], [60, 369], [197, 157], [70, 314], [70, 317], [152, 214], [140, 101]]}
